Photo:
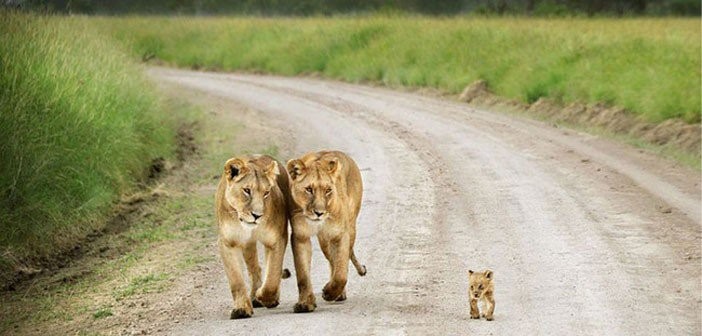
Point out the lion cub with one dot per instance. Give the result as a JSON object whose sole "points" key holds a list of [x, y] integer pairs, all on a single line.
{"points": [[481, 288]]}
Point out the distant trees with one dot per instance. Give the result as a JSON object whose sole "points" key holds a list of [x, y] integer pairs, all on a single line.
{"points": [[325, 7]]}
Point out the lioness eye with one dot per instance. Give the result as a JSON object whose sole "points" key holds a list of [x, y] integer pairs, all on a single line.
{"points": [[308, 190], [265, 194], [247, 191], [329, 191], [480, 287]]}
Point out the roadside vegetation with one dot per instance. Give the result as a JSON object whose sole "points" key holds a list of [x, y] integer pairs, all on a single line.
{"points": [[80, 126], [336, 7], [130, 274], [650, 66]]}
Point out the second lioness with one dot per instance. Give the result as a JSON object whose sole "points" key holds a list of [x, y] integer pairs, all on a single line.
{"points": [[326, 190], [252, 206]]}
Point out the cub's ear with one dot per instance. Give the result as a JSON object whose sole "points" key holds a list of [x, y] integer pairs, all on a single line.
{"points": [[488, 274], [470, 272], [272, 169], [296, 169], [235, 169]]}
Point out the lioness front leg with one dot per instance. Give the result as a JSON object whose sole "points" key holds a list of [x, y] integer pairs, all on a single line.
{"points": [[232, 259], [251, 259], [339, 253], [302, 254], [324, 244], [269, 293]]}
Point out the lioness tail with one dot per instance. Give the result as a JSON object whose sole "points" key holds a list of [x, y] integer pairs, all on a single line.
{"points": [[361, 269]]}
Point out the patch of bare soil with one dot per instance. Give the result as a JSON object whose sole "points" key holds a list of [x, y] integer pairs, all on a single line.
{"points": [[673, 132]]}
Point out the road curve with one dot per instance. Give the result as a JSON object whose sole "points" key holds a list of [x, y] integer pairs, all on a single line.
{"points": [[585, 236]]}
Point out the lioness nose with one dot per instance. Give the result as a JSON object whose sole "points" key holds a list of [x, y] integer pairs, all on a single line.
{"points": [[319, 213], [255, 216]]}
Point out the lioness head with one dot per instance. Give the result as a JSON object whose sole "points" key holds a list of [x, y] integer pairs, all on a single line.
{"points": [[249, 184], [313, 187], [479, 282]]}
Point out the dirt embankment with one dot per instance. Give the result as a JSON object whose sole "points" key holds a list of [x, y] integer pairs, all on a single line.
{"points": [[673, 132]]}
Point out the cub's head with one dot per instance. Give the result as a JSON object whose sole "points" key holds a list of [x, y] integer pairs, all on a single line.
{"points": [[479, 282], [313, 188], [248, 190]]}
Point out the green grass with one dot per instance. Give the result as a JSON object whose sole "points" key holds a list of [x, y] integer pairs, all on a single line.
{"points": [[102, 313], [650, 66], [80, 125], [141, 285]]}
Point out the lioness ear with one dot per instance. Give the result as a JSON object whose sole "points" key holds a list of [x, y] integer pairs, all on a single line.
{"points": [[470, 272], [272, 169], [234, 169], [296, 168], [488, 274], [333, 166]]}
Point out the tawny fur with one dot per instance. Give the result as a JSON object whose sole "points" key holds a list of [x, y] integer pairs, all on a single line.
{"points": [[481, 288], [253, 185], [326, 190]]}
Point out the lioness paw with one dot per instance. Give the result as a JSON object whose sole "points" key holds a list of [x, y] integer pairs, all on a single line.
{"points": [[329, 293], [240, 313], [267, 298], [256, 304], [271, 304], [304, 307]]}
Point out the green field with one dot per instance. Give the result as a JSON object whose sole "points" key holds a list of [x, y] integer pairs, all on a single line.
{"points": [[80, 125], [650, 66]]}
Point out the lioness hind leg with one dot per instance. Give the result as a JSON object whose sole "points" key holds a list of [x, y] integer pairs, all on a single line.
{"points": [[233, 264], [269, 293], [251, 259]]}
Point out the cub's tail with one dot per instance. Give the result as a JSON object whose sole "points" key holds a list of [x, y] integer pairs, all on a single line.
{"points": [[361, 269]]}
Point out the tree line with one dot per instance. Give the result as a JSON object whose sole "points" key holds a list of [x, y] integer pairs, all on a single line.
{"points": [[331, 7]]}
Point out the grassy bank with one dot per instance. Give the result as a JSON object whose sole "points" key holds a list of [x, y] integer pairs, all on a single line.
{"points": [[80, 125], [134, 274], [649, 66]]}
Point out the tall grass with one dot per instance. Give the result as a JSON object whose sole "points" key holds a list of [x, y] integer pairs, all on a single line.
{"points": [[649, 66], [79, 124]]}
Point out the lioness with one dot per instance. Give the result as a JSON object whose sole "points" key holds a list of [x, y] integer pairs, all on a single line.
{"points": [[481, 288], [326, 191], [251, 206]]}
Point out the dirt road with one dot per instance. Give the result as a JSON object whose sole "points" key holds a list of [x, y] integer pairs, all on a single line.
{"points": [[585, 236]]}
